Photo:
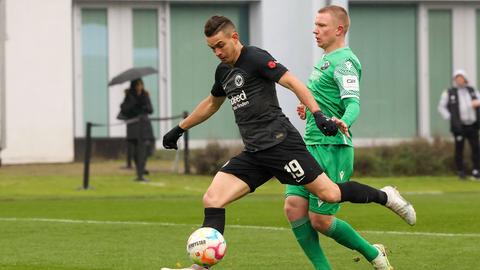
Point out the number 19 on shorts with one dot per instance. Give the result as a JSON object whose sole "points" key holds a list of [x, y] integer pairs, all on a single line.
{"points": [[294, 168]]}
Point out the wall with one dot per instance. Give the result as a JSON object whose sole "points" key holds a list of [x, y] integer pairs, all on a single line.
{"points": [[38, 68], [290, 40], [2, 74], [193, 66], [389, 81], [440, 65]]}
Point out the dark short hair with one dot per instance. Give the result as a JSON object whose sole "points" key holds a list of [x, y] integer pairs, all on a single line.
{"points": [[217, 23]]}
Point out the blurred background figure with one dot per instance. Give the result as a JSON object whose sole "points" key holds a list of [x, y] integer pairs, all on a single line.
{"points": [[460, 105], [137, 105]]}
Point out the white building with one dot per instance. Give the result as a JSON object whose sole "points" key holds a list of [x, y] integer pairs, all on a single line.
{"points": [[57, 56]]}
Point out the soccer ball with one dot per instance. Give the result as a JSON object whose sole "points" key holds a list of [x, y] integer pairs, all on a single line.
{"points": [[206, 246]]}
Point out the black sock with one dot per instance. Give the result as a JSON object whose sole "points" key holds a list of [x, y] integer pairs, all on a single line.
{"points": [[215, 218], [359, 193]]}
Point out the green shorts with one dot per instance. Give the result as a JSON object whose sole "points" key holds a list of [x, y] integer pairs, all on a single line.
{"points": [[337, 162]]}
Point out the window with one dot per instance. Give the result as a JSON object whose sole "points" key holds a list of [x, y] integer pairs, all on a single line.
{"points": [[95, 68], [146, 53], [110, 38]]}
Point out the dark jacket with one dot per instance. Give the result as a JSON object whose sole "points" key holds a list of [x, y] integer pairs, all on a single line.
{"points": [[453, 108], [137, 106]]}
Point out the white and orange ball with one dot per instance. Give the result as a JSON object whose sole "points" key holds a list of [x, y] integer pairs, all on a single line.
{"points": [[206, 246]]}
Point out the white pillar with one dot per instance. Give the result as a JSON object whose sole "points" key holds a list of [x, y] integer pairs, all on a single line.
{"points": [[79, 129], [289, 39], [464, 41], [423, 89], [165, 89], [2, 74], [120, 58]]}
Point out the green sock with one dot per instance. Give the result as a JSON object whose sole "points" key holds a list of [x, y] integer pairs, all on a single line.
{"points": [[345, 235], [307, 237]]}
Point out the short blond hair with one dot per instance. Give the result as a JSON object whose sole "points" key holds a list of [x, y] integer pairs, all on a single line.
{"points": [[338, 13]]}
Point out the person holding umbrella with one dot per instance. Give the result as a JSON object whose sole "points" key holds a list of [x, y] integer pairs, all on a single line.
{"points": [[135, 108]]}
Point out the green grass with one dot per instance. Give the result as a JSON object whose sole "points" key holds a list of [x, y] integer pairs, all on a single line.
{"points": [[47, 223]]}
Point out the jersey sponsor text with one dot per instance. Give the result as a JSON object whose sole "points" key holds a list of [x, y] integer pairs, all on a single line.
{"points": [[350, 83], [239, 100]]}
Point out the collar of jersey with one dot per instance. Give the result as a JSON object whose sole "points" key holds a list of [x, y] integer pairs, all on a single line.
{"points": [[242, 52], [336, 51]]}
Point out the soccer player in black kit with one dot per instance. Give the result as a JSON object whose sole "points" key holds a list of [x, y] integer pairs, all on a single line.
{"points": [[273, 147]]}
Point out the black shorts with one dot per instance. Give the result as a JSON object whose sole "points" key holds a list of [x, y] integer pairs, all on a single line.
{"points": [[289, 161]]}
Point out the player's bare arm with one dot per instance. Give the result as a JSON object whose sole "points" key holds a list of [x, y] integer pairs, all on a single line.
{"points": [[326, 126], [340, 124], [288, 80], [204, 110]]}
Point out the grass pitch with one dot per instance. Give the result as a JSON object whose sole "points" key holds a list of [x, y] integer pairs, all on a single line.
{"points": [[47, 223]]}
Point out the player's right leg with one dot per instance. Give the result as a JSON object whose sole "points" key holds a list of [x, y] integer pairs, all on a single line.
{"points": [[224, 189], [355, 192], [344, 234], [235, 179], [292, 164], [305, 230], [381, 261], [296, 210], [241, 175], [337, 160]]}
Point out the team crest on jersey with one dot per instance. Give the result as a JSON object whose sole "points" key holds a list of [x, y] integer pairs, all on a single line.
{"points": [[239, 81], [272, 64], [325, 65], [348, 65]]}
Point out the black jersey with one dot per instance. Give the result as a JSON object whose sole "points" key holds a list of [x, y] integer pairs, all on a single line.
{"points": [[250, 87]]}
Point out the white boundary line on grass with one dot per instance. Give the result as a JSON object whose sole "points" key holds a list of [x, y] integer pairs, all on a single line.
{"points": [[101, 222], [427, 192]]}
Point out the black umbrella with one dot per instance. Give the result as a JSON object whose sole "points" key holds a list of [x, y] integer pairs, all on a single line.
{"points": [[132, 74]]}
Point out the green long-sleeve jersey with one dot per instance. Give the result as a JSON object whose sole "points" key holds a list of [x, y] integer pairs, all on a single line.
{"points": [[335, 85]]}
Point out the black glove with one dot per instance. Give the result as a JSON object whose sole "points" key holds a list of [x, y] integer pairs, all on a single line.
{"points": [[326, 126], [170, 139]]}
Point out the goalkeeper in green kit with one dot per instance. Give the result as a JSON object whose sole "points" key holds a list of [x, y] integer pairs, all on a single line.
{"points": [[334, 83]]}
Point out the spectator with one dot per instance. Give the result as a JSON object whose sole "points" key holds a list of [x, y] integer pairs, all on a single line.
{"points": [[460, 105], [137, 105]]}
